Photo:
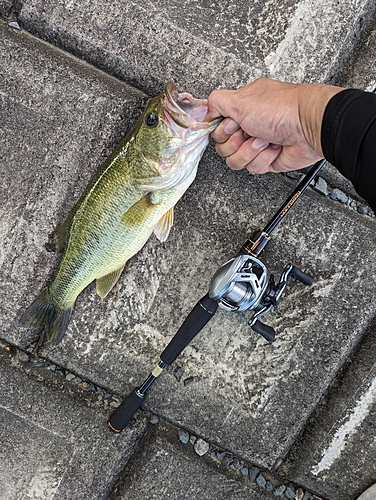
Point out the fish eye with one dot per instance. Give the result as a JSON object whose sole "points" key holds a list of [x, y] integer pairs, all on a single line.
{"points": [[151, 119]]}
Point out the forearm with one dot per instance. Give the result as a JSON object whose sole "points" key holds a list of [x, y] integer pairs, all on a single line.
{"points": [[348, 138]]}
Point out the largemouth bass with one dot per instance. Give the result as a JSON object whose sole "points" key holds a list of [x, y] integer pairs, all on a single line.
{"points": [[131, 196]]}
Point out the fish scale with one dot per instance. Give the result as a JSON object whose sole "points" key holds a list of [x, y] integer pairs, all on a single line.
{"points": [[132, 195]]}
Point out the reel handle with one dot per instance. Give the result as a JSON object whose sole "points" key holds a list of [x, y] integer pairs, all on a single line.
{"points": [[266, 331], [305, 278]]}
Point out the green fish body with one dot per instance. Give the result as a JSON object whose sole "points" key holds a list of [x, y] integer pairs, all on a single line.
{"points": [[131, 196]]}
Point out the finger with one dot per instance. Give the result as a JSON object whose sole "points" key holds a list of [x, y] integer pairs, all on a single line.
{"points": [[224, 130], [219, 104], [232, 144], [263, 162], [247, 152]]}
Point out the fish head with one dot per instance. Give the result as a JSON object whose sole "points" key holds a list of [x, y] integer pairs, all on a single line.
{"points": [[173, 135]]}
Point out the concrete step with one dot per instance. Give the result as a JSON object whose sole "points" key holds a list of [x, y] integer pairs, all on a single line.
{"points": [[166, 466], [243, 388], [340, 435], [52, 439], [204, 45]]}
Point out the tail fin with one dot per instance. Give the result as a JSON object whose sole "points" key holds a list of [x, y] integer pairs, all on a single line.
{"points": [[43, 311]]}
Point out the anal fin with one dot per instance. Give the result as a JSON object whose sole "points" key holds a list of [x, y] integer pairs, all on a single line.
{"points": [[107, 282]]}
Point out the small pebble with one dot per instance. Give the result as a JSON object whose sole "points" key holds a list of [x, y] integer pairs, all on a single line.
{"points": [[228, 460], [293, 175], [221, 455], [107, 395], [14, 25], [91, 388], [299, 494], [183, 436], [40, 364], [78, 380], [236, 465], [307, 496], [52, 368], [362, 209], [154, 419], [23, 357], [192, 440], [278, 492], [178, 373], [253, 473], [201, 447], [244, 471], [321, 186], [69, 376], [290, 493], [59, 373], [338, 195], [269, 486], [261, 481], [188, 381]]}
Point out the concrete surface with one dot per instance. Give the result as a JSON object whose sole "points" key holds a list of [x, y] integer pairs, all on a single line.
{"points": [[164, 465], [258, 402], [52, 440], [340, 435]]}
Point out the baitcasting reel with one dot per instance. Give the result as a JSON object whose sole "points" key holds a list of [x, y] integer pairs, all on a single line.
{"points": [[244, 283]]}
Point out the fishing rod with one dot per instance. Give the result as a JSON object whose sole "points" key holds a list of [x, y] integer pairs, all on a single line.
{"points": [[242, 283]]}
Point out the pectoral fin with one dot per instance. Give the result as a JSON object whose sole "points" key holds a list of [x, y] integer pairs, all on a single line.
{"points": [[162, 229], [138, 212], [106, 283]]}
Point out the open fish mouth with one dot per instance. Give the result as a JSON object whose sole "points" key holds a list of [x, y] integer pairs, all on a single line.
{"points": [[185, 110]]}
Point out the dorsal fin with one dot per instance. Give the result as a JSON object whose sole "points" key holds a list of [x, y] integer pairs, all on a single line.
{"points": [[60, 236]]}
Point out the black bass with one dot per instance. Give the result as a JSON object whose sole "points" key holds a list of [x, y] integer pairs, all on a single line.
{"points": [[132, 195]]}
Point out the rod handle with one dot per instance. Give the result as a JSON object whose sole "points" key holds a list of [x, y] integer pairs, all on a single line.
{"points": [[124, 412], [202, 312]]}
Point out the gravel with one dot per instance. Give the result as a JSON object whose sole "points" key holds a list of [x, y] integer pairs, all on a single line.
{"points": [[338, 195], [183, 436], [201, 447]]}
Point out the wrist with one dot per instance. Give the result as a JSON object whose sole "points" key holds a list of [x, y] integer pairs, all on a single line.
{"points": [[312, 101]]}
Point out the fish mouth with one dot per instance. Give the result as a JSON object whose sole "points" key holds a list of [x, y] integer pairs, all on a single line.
{"points": [[185, 110]]}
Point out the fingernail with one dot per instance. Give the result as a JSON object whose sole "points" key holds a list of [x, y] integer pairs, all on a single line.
{"points": [[259, 143], [231, 127]]}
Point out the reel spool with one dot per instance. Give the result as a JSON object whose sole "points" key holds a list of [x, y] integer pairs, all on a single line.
{"points": [[244, 283]]}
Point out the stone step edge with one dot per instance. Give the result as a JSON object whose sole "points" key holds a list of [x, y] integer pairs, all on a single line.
{"points": [[238, 468]]}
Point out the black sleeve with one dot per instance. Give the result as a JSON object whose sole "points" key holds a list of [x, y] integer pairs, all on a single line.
{"points": [[348, 139]]}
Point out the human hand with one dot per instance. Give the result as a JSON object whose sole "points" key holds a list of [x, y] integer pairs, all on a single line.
{"points": [[270, 125]]}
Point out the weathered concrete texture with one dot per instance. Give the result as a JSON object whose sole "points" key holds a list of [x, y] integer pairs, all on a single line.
{"points": [[341, 459], [5, 6], [167, 468], [361, 71], [245, 394], [146, 42], [61, 119], [320, 39], [137, 44], [55, 444]]}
